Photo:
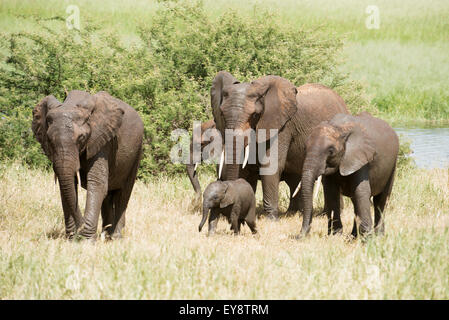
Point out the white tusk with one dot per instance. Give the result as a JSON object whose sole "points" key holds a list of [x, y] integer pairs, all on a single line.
{"points": [[78, 177], [246, 156], [221, 164], [196, 165], [297, 189], [317, 188]]}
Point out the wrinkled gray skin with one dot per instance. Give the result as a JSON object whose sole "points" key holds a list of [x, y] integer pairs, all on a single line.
{"points": [[250, 173], [233, 199], [101, 137], [357, 157], [272, 102]]}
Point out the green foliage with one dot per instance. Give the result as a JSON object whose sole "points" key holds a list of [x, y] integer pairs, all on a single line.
{"points": [[166, 77]]}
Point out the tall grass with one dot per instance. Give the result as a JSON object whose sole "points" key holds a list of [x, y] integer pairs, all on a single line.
{"points": [[162, 255]]}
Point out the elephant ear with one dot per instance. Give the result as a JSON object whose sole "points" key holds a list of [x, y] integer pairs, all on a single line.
{"points": [[359, 149], [222, 79], [104, 122], [39, 124], [229, 196], [276, 101]]}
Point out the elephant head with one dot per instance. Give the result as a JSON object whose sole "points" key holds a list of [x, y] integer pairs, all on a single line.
{"points": [[339, 145], [218, 194], [78, 127], [264, 104]]}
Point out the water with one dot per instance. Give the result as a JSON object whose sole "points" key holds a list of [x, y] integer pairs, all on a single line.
{"points": [[430, 145]]}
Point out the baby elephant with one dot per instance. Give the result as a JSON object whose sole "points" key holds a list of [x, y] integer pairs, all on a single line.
{"points": [[357, 157], [234, 199]]}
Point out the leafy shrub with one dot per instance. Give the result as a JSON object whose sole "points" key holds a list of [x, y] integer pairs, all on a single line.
{"points": [[166, 77]]}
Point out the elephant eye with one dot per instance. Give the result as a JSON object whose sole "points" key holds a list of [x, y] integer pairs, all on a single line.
{"points": [[331, 150]]}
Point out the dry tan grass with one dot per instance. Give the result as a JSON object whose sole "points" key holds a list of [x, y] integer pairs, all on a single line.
{"points": [[162, 255]]}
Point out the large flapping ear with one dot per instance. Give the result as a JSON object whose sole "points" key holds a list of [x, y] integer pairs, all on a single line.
{"points": [[278, 99], [229, 197], [105, 120], [39, 124], [359, 147], [222, 79]]}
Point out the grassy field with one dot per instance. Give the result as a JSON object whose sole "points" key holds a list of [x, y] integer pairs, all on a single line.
{"points": [[403, 64], [164, 257]]}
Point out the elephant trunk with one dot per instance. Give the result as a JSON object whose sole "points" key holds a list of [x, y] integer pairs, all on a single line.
{"points": [[66, 170], [309, 175], [193, 176], [232, 169], [203, 220]]}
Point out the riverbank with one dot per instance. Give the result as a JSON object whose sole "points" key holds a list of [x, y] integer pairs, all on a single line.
{"points": [[163, 256]]}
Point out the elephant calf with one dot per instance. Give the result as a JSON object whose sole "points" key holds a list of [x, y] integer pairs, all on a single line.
{"points": [[357, 157], [234, 199]]}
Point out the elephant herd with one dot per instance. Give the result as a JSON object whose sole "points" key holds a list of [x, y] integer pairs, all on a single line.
{"points": [[96, 141]]}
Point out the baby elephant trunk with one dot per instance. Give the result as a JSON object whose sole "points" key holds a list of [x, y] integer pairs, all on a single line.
{"points": [[203, 221]]}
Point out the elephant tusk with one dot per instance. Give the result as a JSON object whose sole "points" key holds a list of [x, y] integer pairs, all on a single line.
{"points": [[78, 177], [297, 189], [317, 188], [246, 156], [221, 164], [196, 166]]}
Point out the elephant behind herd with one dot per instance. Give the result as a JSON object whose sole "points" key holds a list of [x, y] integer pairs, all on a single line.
{"points": [[100, 137]]}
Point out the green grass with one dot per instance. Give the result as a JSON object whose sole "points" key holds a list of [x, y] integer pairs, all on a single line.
{"points": [[162, 255]]}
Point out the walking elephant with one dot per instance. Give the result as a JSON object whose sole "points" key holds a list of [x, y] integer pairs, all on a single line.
{"points": [[233, 199], [96, 141], [272, 102], [357, 157]]}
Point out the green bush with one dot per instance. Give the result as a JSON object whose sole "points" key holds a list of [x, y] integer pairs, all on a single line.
{"points": [[166, 77]]}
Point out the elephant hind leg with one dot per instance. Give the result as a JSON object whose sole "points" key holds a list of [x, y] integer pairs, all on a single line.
{"points": [[379, 202]]}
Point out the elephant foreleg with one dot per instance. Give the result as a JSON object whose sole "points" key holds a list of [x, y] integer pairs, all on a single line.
{"points": [[362, 204], [213, 220], [332, 199], [97, 187]]}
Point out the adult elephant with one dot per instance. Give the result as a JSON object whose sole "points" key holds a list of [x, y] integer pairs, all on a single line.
{"points": [[99, 137], [272, 102], [250, 173]]}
